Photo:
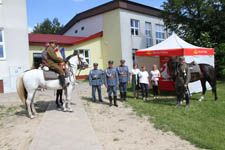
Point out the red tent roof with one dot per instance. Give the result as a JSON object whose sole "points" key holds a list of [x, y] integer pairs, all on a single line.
{"points": [[41, 39]]}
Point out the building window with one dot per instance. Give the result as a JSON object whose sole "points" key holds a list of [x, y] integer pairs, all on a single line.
{"points": [[2, 46], [134, 24], [82, 28], [37, 60], [84, 52], [148, 33], [160, 33], [169, 33], [76, 31]]}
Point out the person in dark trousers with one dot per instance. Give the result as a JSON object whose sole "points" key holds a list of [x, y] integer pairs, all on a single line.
{"points": [[144, 82], [182, 79], [53, 60], [123, 73], [111, 82], [59, 101], [95, 80], [155, 75]]}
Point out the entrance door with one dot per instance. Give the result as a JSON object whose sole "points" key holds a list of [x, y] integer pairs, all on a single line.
{"points": [[37, 57]]}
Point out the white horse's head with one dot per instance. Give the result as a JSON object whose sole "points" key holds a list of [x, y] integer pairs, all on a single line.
{"points": [[78, 61]]}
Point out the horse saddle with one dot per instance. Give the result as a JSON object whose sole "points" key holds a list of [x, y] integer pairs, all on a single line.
{"points": [[194, 68], [52, 75]]}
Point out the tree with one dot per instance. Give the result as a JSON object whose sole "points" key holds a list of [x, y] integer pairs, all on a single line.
{"points": [[48, 27], [200, 22]]}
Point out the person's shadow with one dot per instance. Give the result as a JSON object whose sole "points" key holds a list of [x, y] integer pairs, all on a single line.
{"points": [[88, 99]]}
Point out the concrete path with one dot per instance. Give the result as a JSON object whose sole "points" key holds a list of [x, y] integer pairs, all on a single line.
{"points": [[66, 131]]}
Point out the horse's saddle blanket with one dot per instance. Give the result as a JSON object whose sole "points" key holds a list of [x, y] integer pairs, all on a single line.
{"points": [[194, 68], [52, 75]]}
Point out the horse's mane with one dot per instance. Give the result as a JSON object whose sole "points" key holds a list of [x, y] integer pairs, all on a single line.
{"points": [[70, 56]]}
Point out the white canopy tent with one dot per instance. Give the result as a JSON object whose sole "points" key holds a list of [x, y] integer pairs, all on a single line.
{"points": [[174, 46]]}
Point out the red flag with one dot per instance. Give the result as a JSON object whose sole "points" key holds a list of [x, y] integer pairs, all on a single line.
{"points": [[56, 49]]}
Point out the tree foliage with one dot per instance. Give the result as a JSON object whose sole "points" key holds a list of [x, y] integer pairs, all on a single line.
{"points": [[200, 22], [48, 27]]}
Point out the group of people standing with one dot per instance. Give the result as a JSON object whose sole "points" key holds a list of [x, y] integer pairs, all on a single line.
{"points": [[142, 80], [119, 77]]}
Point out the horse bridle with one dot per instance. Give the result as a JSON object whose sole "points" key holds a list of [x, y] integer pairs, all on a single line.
{"points": [[80, 66]]}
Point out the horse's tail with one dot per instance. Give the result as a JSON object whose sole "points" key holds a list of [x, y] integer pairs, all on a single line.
{"points": [[214, 85], [21, 91]]}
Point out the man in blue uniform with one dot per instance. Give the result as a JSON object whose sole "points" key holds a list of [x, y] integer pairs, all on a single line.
{"points": [[95, 80], [111, 82], [123, 73]]}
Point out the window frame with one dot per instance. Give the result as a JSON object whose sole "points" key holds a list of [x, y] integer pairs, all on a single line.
{"points": [[89, 57], [148, 37], [133, 55], [134, 27], [160, 32], [3, 45]]}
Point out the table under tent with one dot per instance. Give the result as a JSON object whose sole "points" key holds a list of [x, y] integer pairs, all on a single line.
{"points": [[174, 46]]}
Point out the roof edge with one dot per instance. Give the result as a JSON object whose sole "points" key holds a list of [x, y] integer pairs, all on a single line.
{"points": [[128, 5], [99, 34]]}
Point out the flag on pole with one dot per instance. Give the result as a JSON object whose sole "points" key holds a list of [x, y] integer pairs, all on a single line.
{"points": [[62, 51]]}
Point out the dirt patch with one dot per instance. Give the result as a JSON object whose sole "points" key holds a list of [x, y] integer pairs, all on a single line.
{"points": [[17, 130], [121, 129]]}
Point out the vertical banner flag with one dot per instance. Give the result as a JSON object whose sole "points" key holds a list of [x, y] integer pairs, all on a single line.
{"points": [[62, 51]]}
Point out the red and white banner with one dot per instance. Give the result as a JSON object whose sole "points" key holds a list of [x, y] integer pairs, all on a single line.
{"points": [[164, 82], [177, 52]]}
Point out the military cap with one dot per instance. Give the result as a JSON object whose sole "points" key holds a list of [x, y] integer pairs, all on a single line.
{"points": [[95, 64], [110, 61], [122, 60], [52, 41], [181, 58]]}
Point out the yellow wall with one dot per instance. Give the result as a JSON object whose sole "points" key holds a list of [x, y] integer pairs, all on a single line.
{"points": [[111, 41], [94, 46]]}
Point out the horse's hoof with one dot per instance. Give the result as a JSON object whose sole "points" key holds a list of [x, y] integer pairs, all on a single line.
{"points": [[70, 110], [32, 117], [35, 114]]}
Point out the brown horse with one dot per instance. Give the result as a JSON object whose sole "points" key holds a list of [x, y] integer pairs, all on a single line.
{"points": [[207, 73]]}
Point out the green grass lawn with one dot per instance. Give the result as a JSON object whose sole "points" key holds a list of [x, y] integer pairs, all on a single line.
{"points": [[203, 124]]}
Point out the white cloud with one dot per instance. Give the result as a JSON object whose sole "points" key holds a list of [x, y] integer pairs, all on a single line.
{"points": [[30, 29]]}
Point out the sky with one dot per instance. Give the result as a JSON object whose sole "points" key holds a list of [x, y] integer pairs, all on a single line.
{"points": [[65, 10]]}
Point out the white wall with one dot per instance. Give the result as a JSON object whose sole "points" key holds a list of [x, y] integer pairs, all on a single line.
{"points": [[91, 26], [195, 87], [13, 20], [135, 42]]}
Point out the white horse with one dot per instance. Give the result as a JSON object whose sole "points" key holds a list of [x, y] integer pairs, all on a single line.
{"points": [[30, 81]]}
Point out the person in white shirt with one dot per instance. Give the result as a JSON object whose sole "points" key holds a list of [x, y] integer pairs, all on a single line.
{"points": [[144, 82], [155, 74], [135, 80]]}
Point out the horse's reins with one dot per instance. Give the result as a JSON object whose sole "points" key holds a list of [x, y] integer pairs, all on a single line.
{"points": [[80, 67]]}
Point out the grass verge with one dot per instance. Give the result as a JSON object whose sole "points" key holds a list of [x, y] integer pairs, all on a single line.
{"points": [[203, 124]]}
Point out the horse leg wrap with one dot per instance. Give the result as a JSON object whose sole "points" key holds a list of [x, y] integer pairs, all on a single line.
{"points": [[201, 98]]}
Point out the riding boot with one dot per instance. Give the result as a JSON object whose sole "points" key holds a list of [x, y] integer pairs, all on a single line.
{"points": [[110, 100], [187, 101], [178, 102], [115, 103], [121, 96], [62, 81], [124, 96]]}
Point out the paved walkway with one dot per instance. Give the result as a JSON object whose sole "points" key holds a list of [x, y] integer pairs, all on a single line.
{"points": [[66, 131]]}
